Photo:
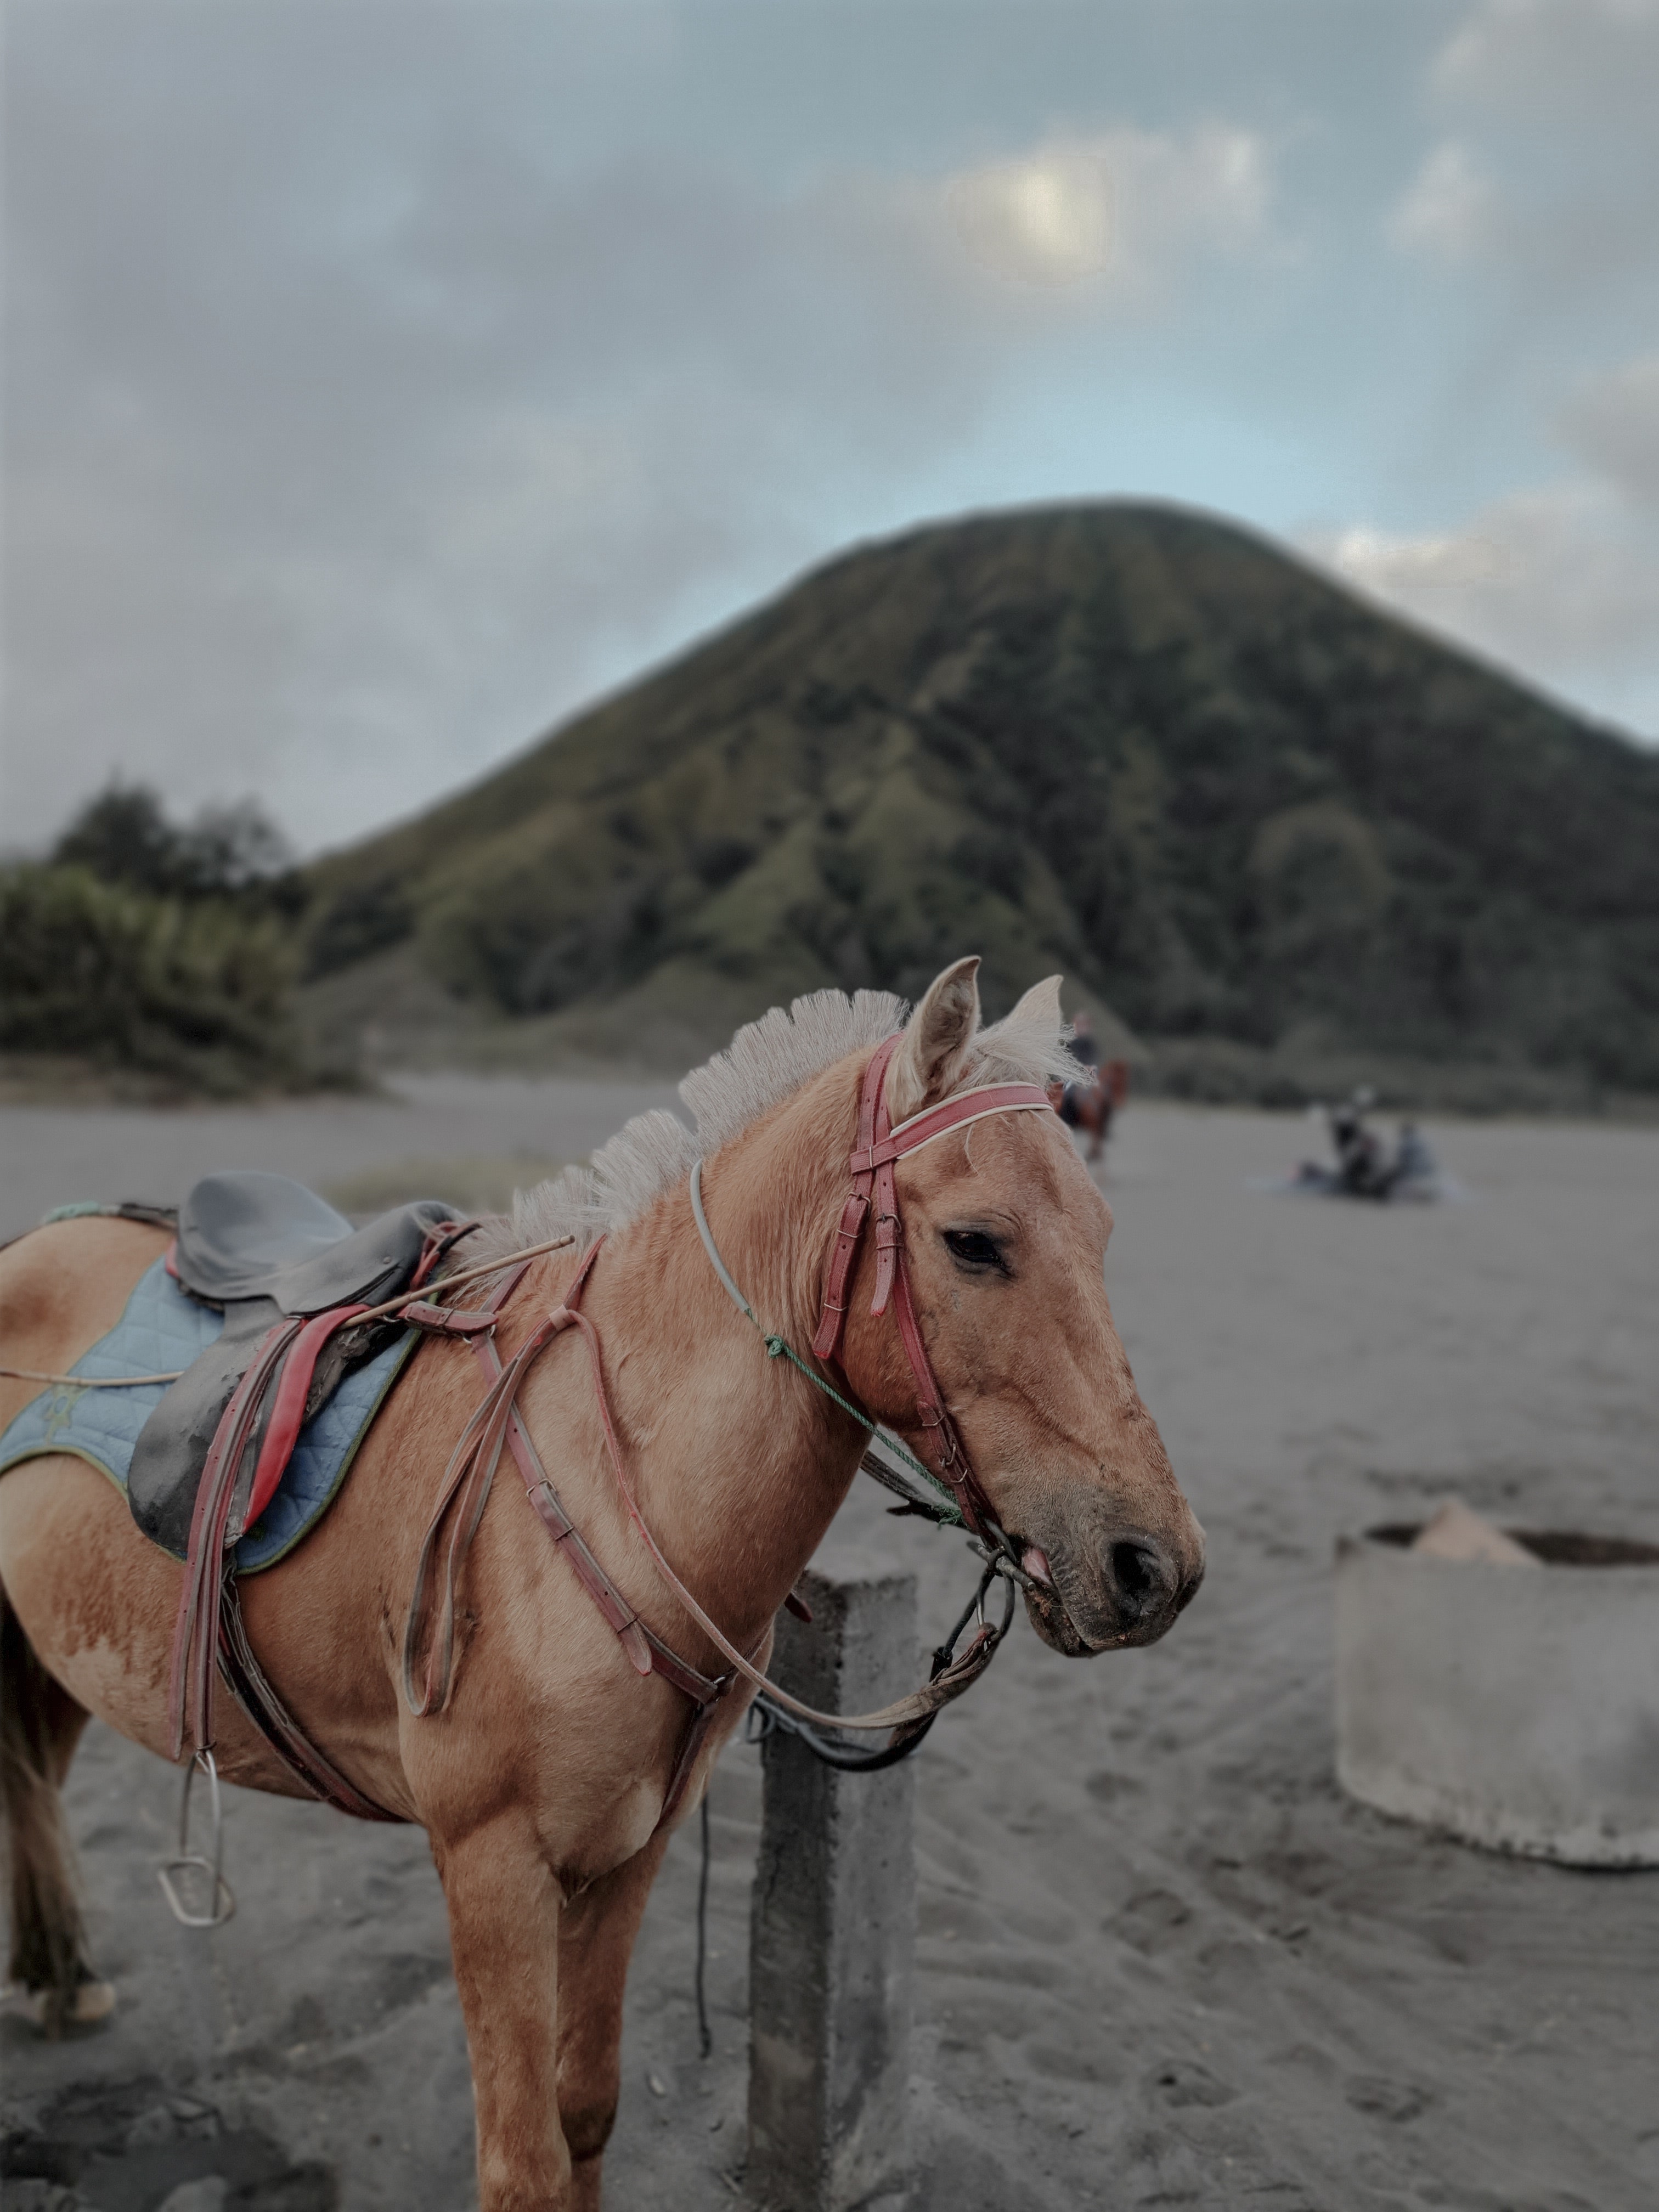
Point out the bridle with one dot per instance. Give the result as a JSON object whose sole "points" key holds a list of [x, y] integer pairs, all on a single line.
{"points": [[430, 1627], [878, 1149]]}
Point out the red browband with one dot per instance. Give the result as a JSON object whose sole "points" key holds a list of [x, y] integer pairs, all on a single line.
{"points": [[878, 1146]]}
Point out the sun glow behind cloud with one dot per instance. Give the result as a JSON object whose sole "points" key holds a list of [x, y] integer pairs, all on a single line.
{"points": [[1046, 220], [1122, 205]]}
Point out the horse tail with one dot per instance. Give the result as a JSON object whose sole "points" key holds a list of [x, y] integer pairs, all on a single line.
{"points": [[39, 1725]]}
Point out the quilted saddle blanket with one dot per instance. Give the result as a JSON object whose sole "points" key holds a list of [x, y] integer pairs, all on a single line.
{"points": [[162, 1330]]}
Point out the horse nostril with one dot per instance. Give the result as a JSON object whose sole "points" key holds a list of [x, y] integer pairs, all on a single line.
{"points": [[1139, 1575]]}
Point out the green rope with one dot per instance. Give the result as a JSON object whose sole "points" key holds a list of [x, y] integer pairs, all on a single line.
{"points": [[950, 1511], [777, 1347]]}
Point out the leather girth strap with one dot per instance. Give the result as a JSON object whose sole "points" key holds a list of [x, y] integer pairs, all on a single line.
{"points": [[235, 1488]]}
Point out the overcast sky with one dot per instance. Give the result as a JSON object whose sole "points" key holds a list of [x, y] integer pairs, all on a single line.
{"points": [[382, 380]]}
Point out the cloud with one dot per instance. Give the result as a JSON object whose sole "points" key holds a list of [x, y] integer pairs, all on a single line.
{"points": [[1128, 205], [1407, 568], [1554, 57], [1613, 423], [355, 431], [1560, 583], [1551, 173], [1450, 210], [1540, 197]]}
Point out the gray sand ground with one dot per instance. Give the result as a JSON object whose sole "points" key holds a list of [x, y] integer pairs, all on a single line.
{"points": [[1162, 1961]]}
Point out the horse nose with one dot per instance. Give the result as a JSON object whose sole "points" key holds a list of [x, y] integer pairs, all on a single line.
{"points": [[1147, 1583], [1142, 1578]]}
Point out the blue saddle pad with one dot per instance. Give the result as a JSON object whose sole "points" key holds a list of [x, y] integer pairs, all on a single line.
{"points": [[163, 1329]]}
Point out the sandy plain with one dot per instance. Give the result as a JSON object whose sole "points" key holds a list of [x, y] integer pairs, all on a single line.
{"points": [[1162, 1961]]}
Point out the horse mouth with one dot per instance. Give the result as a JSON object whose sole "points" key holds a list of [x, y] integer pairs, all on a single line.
{"points": [[1044, 1607]]}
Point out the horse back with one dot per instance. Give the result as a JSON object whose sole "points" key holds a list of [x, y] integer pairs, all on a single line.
{"points": [[62, 1288]]}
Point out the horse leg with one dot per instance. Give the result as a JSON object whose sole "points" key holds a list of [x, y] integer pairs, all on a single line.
{"points": [[40, 1725], [504, 1932], [596, 1940]]}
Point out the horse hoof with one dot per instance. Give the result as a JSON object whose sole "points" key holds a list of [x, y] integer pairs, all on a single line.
{"points": [[92, 2001]]}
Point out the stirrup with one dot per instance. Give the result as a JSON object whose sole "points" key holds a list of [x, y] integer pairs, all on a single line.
{"points": [[187, 1861]]}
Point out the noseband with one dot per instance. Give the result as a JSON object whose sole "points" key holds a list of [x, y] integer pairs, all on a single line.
{"points": [[878, 1149]]}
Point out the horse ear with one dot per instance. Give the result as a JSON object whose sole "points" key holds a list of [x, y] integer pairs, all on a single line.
{"points": [[936, 1040], [1040, 1007]]}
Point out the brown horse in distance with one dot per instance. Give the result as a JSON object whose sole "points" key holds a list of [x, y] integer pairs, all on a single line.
{"points": [[542, 1781]]}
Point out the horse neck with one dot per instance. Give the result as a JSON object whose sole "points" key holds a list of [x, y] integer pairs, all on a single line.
{"points": [[738, 1464]]}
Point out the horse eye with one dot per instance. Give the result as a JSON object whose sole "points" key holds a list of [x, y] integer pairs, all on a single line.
{"points": [[972, 1247]]}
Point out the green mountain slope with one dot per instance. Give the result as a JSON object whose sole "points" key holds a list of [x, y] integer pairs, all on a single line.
{"points": [[1131, 742]]}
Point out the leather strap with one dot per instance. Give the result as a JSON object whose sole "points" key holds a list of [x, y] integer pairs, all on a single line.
{"points": [[538, 1488], [954, 1113], [645, 1649], [250, 1686], [207, 1627], [470, 1473], [856, 1210], [466, 1489], [466, 1485], [872, 1163], [195, 1634], [962, 1671]]}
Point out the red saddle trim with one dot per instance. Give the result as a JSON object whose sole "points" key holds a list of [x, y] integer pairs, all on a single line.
{"points": [[288, 1412]]}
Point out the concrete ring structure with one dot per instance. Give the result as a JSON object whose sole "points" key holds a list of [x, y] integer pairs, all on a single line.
{"points": [[1516, 1710]]}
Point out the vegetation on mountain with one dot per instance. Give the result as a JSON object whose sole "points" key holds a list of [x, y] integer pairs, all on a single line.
{"points": [[234, 853], [1134, 742], [145, 949]]}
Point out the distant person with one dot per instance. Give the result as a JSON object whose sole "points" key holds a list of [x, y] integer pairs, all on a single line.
{"points": [[1359, 1166], [1090, 1098], [1413, 1162]]}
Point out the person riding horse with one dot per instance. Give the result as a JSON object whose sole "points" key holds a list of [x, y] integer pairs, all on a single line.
{"points": [[1092, 1097]]}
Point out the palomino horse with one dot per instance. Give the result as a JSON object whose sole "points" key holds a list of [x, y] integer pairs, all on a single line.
{"points": [[541, 1781]]}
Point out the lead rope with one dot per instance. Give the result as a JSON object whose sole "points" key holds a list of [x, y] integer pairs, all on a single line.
{"points": [[942, 1509], [705, 2041]]}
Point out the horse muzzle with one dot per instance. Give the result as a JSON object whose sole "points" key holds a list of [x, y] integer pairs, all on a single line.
{"points": [[1124, 1590]]}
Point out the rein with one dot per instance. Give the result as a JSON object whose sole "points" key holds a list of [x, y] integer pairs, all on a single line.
{"points": [[963, 1501], [466, 1485], [360, 1316]]}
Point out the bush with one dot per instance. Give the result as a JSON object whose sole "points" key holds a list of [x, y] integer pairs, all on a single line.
{"points": [[195, 991], [123, 836]]}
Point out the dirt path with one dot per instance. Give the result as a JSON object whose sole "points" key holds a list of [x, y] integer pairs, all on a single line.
{"points": [[1162, 1961]]}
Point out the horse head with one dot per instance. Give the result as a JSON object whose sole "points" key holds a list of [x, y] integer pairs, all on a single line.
{"points": [[1004, 1236]]}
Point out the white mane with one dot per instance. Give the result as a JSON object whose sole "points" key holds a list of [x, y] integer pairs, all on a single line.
{"points": [[766, 1062]]}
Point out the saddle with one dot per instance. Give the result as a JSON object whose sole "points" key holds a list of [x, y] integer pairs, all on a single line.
{"points": [[267, 1252], [298, 1287]]}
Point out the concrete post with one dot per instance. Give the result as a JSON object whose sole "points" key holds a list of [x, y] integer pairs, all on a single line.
{"points": [[831, 1955]]}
